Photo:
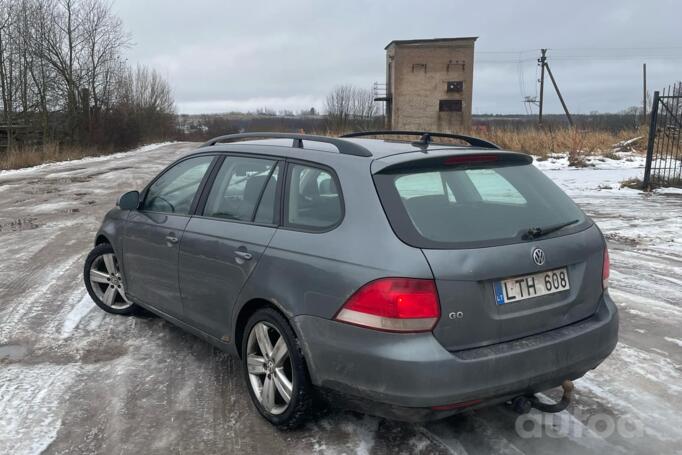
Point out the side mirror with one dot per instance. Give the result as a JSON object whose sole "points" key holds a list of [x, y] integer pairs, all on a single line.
{"points": [[129, 200]]}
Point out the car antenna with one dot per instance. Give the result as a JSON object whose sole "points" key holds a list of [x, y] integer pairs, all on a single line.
{"points": [[423, 142]]}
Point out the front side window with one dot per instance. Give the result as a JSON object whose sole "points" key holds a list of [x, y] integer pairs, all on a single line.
{"points": [[238, 188], [174, 191], [313, 201]]}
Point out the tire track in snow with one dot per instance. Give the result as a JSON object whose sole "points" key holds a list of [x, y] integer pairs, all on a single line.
{"points": [[32, 303]]}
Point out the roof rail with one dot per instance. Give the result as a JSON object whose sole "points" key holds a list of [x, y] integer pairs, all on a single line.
{"points": [[344, 147], [425, 137]]}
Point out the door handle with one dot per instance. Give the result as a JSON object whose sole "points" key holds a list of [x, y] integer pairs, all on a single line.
{"points": [[171, 239], [243, 255]]}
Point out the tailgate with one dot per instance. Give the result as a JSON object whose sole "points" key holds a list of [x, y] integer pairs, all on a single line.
{"points": [[472, 316], [478, 216]]}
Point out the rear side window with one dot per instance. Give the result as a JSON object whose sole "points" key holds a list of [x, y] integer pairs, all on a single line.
{"points": [[238, 188], [174, 191], [313, 198], [423, 184], [493, 187], [473, 206]]}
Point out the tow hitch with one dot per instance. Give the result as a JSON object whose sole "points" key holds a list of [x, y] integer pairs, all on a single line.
{"points": [[523, 403]]}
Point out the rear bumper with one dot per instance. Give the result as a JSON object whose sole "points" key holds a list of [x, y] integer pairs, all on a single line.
{"points": [[404, 375]]}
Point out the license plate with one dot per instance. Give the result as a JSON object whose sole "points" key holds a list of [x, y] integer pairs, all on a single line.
{"points": [[529, 286]]}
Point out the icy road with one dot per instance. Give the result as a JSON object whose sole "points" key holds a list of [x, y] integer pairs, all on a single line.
{"points": [[75, 380]]}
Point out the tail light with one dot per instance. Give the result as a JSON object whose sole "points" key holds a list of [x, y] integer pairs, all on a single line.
{"points": [[393, 304], [606, 269]]}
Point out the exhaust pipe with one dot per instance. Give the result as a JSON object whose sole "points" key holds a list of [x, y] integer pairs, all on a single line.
{"points": [[523, 404]]}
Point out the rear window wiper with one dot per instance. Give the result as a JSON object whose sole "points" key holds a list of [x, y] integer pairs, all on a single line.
{"points": [[537, 232]]}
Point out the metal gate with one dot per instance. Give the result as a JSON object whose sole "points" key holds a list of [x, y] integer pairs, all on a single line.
{"points": [[664, 150]]}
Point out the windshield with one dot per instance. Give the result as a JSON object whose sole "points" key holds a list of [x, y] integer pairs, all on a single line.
{"points": [[480, 206]]}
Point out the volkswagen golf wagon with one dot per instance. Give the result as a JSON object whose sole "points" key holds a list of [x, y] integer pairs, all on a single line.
{"points": [[410, 280]]}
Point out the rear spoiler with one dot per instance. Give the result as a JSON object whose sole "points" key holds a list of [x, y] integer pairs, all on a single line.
{"points": [[439, 159], [426, 138]]}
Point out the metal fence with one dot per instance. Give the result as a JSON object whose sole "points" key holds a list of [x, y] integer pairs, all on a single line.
{"points": [[664, 150]]}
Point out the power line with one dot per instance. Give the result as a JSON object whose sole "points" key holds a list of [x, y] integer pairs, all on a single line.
{"points": [[507, 60], [522, 84], [583, 59], [523, 51], [617, 57], [606, 55], [591, 49], [585, 54], [554, 49]]}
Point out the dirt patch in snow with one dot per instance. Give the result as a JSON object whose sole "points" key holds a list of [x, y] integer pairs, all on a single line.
{"points": [[619, 238], [20, 224]]}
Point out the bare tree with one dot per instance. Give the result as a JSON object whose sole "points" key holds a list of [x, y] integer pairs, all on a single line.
{"points": [[62, 69], [6, 24], [62, 38], [349, 107], [103, 39]]}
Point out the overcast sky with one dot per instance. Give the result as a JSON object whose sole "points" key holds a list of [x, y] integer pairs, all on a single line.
{"points": [[222, 55]]}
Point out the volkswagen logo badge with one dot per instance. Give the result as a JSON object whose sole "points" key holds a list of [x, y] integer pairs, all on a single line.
{"points": [[538, 256]]}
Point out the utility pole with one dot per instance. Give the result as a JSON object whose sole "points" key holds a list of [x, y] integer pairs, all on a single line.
{"points": [[542, 61], [644, 94], [561, 98], [544, 65]]}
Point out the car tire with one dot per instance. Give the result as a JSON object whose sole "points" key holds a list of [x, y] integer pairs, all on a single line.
{"points": [[259, 368], [103, 280]]}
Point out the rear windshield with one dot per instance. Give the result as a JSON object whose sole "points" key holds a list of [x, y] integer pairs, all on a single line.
{"points": [[474, 206]]}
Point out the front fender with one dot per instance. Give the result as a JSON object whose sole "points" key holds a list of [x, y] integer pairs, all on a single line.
{"points": [[112, 230]]}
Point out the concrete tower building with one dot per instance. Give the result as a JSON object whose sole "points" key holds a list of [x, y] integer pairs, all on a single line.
{"points": [[429, 84]]}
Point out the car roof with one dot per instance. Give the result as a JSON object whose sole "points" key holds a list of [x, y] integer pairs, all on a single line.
{"points": [[379, 148], [379, 154]]}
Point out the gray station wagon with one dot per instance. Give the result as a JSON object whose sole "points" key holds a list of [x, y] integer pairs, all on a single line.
{"points": [[411, 280]]}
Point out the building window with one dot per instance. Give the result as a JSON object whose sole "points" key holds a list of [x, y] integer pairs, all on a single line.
{"points": [[450, 106], [455, 86], [419, 67], [457, 65]]}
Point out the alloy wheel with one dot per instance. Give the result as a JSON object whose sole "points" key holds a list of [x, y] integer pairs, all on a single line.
{"points": [[269, 367], [107, 283]]}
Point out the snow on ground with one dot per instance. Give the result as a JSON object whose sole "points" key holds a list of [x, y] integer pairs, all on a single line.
{"points": [[82, 308], [83, 161], [76, 380], [642, 380]]}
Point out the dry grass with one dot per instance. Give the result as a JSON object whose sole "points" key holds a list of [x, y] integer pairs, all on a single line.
{"points": [[536, 141], [543, 142], [634, 183], [32, 156], [577, 143]]}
